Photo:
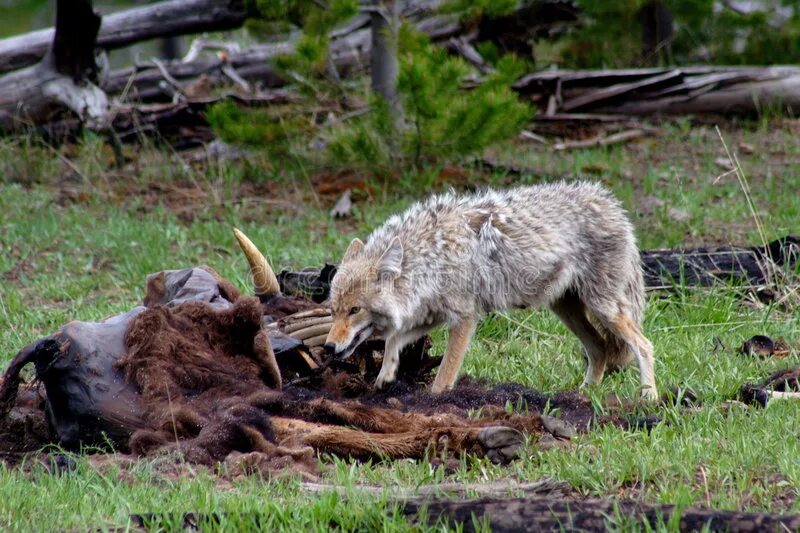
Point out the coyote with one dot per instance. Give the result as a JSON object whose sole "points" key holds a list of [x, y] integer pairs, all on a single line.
{"points": [[450, 259]]}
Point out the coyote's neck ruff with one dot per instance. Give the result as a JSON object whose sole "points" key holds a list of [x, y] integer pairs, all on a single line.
{"points": [[450, 259]]}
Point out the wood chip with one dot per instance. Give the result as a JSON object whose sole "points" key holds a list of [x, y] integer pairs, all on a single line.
{"points": [[724, 163], [615, 138], [343, 205], [530, 136]]}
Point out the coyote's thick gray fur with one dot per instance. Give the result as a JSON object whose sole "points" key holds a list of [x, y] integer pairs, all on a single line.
{"points": [[452, 258]]}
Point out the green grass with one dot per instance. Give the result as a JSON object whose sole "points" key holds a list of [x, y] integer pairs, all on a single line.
{"points": [[77, 239]]}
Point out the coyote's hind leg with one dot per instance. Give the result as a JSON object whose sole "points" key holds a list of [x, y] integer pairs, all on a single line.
{"points": [[627, 329], [572, 312]]}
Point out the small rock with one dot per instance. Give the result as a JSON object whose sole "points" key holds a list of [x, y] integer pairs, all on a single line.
{"points": [[499, 437], [648, 204], [678, 215], [502, 444], [724, 163], [645, 423], [746, 148], [680, 396], [394, 403], [549, 442], [754, 395]]}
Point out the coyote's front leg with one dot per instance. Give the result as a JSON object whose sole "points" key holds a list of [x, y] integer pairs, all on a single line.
{"points": [[457, 343], [391, 355]]}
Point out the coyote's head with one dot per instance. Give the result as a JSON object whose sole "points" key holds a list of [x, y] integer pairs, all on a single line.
{"points": [[362, 296]]}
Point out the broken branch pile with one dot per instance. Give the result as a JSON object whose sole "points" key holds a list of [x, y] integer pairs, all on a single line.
{"points": [[663, 91], [96, 96], [52, 71]]}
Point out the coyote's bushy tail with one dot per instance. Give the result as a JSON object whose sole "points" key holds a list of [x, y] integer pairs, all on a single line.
{"points": [[620, 353]]}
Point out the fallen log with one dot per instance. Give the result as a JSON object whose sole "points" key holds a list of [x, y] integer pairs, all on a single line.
{"points": [[573, 514], [747, 266], [118, 30], [660, 91], [350, 46], [349, 52], [32, 87], [180, 124], [532, 513]]}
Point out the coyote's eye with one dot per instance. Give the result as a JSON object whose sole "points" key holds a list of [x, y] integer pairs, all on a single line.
{"points": [[355, 310]]}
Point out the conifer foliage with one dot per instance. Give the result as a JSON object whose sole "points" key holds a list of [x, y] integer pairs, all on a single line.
{"points": [[443, 120], [448, 112]]}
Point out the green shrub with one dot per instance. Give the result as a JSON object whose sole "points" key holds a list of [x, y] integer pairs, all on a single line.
{"points": [[272, 129], [442, 119]]}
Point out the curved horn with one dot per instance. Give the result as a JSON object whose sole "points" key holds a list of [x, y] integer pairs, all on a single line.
{"points": [[264, 279]]}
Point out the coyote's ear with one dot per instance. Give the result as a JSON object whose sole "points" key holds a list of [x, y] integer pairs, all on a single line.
{"points": [[389, 265], [353, 250]]}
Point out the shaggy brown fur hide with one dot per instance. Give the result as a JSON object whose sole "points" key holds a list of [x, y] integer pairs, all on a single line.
{"points": [[193, 366], [210, 386]]}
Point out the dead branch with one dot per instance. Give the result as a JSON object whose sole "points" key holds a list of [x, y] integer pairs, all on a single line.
{"points": [[751, 266], [118, 30], [654, 91], [493, 489], [615, 138]]}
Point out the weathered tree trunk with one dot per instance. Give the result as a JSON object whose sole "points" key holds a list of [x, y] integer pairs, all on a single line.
{"points": [[384, 63], [754, 266], [162, 19], [63, 78], [657, 32], [155, 82]]}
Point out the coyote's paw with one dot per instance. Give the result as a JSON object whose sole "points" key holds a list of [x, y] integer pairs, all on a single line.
{"points": [[649, 394], [383, 381]]}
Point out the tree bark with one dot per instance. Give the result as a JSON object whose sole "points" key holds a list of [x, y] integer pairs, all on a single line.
{"points": [[573, 514], [349, 51], [163, 19], [384, 63], [657, 32], [666, 91], [63, 78]]}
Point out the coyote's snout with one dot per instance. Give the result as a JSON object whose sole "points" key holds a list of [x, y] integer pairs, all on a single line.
{"points": [[451, 259]]}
